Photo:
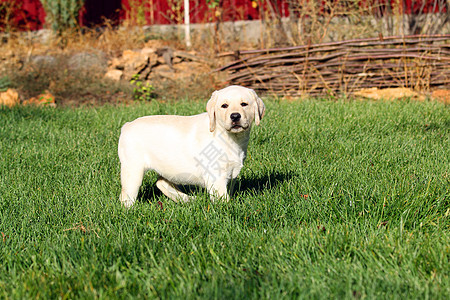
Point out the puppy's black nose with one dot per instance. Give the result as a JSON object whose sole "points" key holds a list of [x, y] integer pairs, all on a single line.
{"points": [[235, 117]]}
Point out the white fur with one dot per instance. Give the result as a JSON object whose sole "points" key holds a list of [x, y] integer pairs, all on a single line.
{"points": [[206, 150]]}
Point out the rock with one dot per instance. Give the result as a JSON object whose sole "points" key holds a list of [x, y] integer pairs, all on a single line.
{"points": [[167, 55], [150, 62], [85, 61], [130, 55], [9, 98], [114, 74], [43, 61], [148, 51], [182, 70], [133, 60], [389, 93], [44, 36], [45, 99], [130, 63], [116, 63], [441, 95]]}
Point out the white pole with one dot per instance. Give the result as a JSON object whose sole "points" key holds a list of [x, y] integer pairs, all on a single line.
{"points": [[187, 27]]}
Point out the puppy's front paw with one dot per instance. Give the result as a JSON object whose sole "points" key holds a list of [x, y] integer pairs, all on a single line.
{"points": [[126, 202]]}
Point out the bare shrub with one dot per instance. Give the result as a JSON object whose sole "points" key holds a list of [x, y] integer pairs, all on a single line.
{"points": [[329, 20]]}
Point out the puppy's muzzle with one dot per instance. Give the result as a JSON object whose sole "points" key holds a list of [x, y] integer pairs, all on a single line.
{"points": [[238, 123], [235, 117]]}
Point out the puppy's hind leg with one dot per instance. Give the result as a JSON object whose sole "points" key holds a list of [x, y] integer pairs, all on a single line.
{"points": [[169, 189], [131, 179]]}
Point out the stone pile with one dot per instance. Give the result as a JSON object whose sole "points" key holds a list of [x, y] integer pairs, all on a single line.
{"points": [[149, 63]]}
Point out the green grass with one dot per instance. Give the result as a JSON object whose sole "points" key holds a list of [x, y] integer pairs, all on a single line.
{"points": [[336, 200]]}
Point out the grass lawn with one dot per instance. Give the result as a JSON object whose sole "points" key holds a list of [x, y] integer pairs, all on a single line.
{"points": [[336, 199]]}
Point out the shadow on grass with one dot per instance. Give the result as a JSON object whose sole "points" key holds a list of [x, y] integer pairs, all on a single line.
{"points": [[149, 193], [262, 182]]}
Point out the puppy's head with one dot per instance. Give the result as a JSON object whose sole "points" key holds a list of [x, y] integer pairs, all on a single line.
{"points": [[234, 108]]}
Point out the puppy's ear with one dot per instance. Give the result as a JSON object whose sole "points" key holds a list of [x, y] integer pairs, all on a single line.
{"points": [[210, 108], [260, 108]]}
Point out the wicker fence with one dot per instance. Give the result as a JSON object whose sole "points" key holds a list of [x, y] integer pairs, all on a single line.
{"points": [[418, 62]]}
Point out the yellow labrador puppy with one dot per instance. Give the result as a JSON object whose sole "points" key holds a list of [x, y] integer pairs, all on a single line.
{"points": [[206, 150]]}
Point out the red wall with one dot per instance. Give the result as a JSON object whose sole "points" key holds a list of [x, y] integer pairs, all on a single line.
{"points": [[30, 15], [159, 12], [21, 14]]}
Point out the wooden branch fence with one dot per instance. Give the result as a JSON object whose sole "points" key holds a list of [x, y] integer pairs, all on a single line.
{"points": [[420, 62]]}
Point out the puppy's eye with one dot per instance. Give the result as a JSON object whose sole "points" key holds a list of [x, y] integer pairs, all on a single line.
{"points": [[244, 104], [224, 105]]}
